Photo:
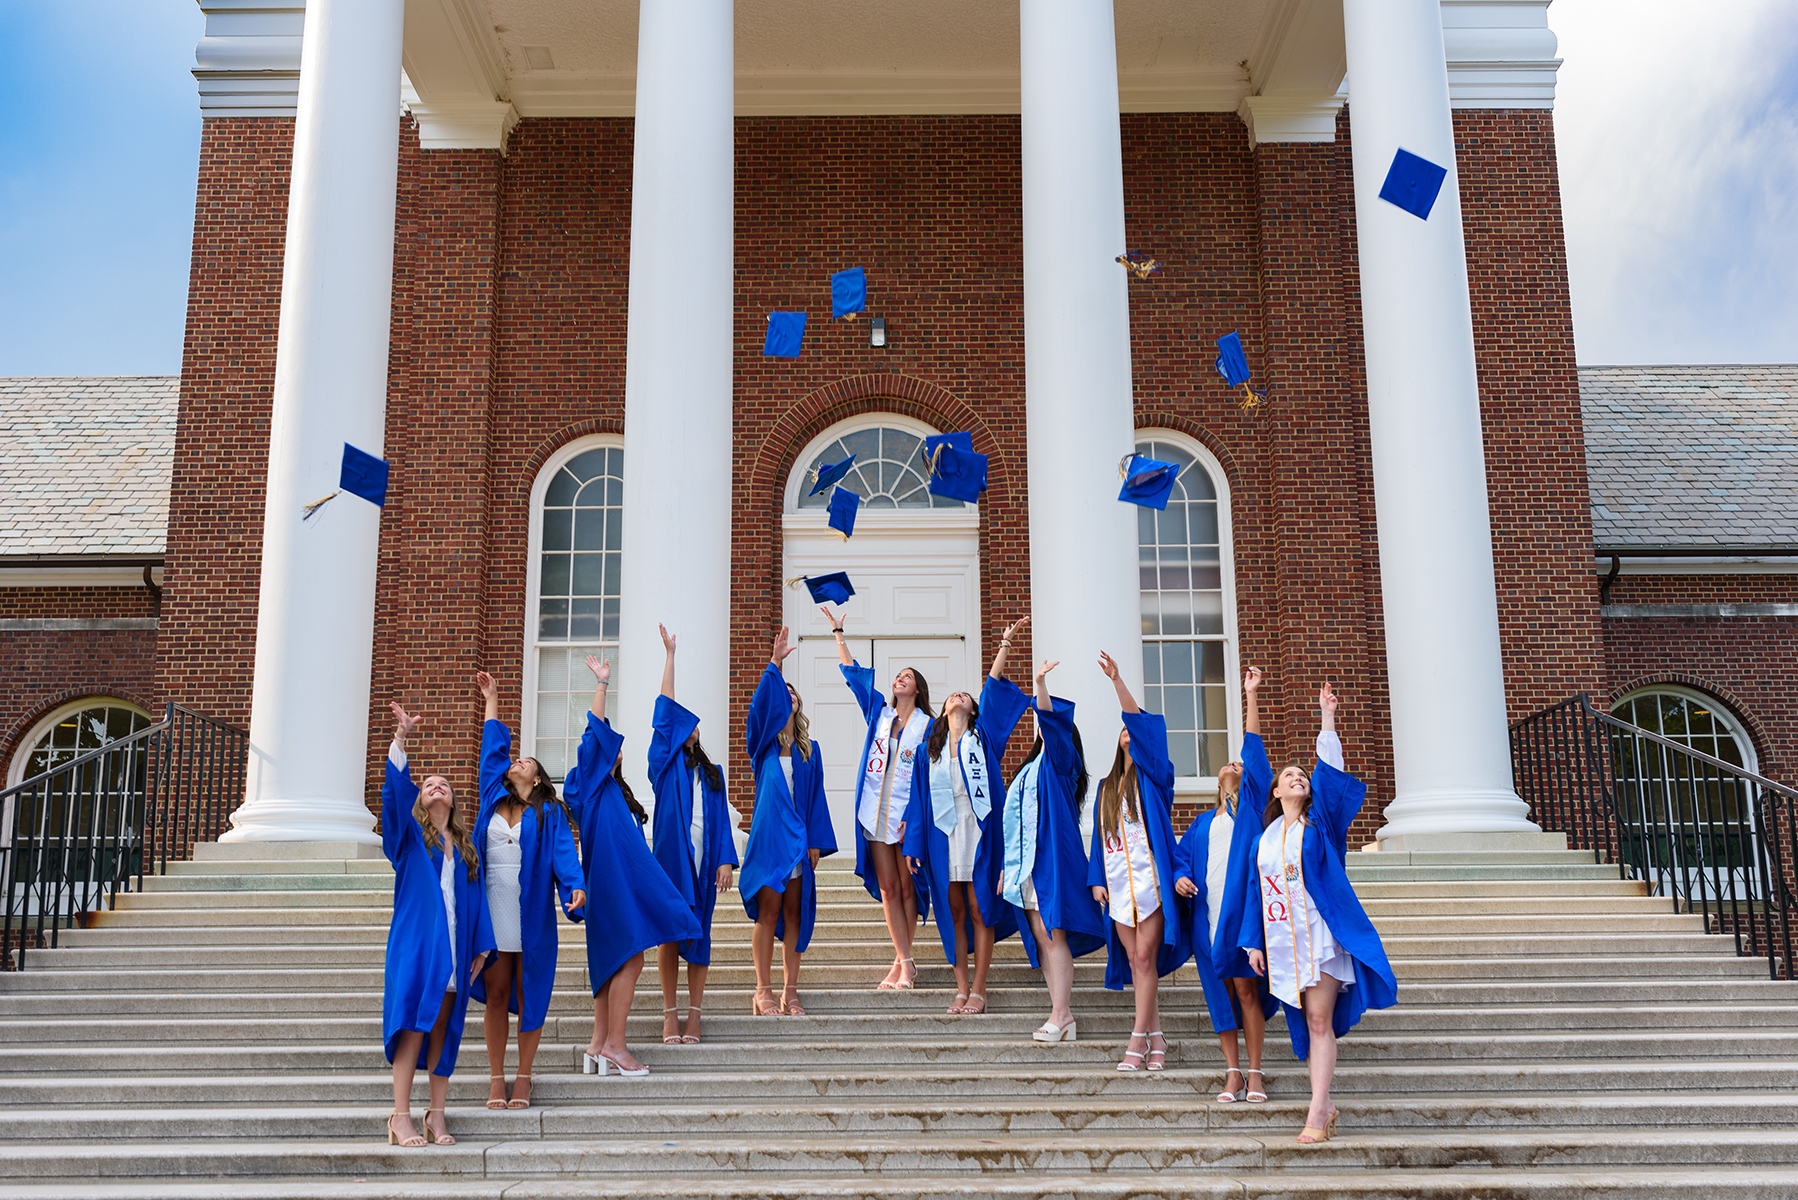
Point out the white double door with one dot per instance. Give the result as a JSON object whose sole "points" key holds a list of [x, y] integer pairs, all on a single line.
{"points": [[916, 604]]}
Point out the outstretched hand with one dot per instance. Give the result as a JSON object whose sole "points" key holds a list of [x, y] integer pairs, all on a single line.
{"points": [[667, 638], [1108, 665], [782, 646], [1043, 668], [1011, 630], [1326, 699], [407, 723], [1251, 680], [602, 670], [489, 689], [835, 621]]}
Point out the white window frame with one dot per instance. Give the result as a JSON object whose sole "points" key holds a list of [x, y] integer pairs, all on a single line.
{"points": [[527, 704], [1720, 711], [798, 483], [15, 769], [1206, 785]]}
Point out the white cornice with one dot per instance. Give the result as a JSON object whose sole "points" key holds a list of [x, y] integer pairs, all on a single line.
{"points": [[1284, 118], [247, 63], [1501, 53]]}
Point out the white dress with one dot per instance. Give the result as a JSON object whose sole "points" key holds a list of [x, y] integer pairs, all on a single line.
{"points": [[696, 831], [1217, 866], [965, 840], [447, 881], [786, 769], [1301, 950], [505, 902], [1130, 877]]}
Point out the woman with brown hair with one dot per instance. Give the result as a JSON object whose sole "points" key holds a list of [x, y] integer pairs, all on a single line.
{"points": [[1131, 872], [437, 941]]}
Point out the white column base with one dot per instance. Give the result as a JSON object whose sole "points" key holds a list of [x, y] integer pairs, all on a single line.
{"points": [[314, 820], [252, 851], [1457, 811], [1472, 843]]}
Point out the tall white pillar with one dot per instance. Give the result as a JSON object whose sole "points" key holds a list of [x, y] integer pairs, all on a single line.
{"points": [[1084, 590], [316, 609], [677, 375], [1450, 746]]}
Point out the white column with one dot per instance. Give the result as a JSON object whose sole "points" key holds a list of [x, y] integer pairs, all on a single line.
{"points": [[1450, 747], [1085, 595], [677, 375], [316, 611]]}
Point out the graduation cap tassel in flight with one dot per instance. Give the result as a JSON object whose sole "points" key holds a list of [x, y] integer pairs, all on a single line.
{"points": [[1233, 365], [1139, 264], [362, 474], [1148, 482], [825, 474], [957, 472], [844, 504]]}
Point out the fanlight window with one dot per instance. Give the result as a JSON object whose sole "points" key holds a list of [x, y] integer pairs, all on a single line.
{"points": [[1184, 637], [889, 471], [93, 725]]}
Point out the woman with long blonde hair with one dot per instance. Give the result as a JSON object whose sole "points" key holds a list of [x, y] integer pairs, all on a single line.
{"points": [[1131, 872], [438, 939], [789, 831]]}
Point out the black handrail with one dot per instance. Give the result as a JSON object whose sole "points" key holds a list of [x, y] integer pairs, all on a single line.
{"points": [[1714, 837], [86, 829]]}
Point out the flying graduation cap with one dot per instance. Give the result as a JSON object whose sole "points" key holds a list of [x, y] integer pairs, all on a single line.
{"points": [[844, 504], [833, 588], [829, 473], [362, 475], [1233, 365], [786, 333], [848, 293], [957, 472], [1412, 183], [1147, 482]]}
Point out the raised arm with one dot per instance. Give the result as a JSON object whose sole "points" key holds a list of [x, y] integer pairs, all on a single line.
{"points": [[1251, 713], [836, 629], [1125, 700], [667, 662], [489, 694], [1044, 701], [1329, 746], [602, 675], [1011, 631], [770, 707], [398, 792]]}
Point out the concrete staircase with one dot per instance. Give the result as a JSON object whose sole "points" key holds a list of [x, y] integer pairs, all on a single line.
{"points": [[1559, 1034]]}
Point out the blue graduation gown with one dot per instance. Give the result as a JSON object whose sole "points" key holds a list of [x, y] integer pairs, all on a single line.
{"points": [[1059, 873], [1190, 860], [550, 873], [1155, 798], [419, 961], [631, 905], [1002, 706], [1335, 799], [671, 828], [1242, 886], [861, 682], [786, 824]]}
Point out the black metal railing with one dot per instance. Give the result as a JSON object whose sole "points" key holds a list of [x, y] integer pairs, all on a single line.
{"points": [[1713, 837], [85, 830]]}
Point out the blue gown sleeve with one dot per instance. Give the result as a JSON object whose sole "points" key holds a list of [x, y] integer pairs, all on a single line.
{"points": [[1187, 849], [600, 745], [670, 728], [1249, 935], [769, 710], [861, 682], [484, 942], [1057, 725], [1337, 797], [820, 833], [398, 795], [918, 812], [1095, 859], [564, 862], [1002, 706], [720, 822], [496, 760], [1257, 774], [1148, 749]]}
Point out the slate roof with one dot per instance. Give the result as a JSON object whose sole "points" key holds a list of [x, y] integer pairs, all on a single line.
{"points": [[84, 464], [1692, 456]]}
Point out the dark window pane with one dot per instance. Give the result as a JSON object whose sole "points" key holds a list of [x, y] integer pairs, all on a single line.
{"points": [[612, 569], [1176, 661], [589, 574], [585, 466], [1182, 753], [1151, 663], [561, 489], [1176, 613], [1171, 525], [1202, 521], [1151, 613], [1214, 753], [583, 621], [1214, 714], [1211, 666], [556, 525], [1145, 526], [589, 528], [1182, 708], [553, 621], [554, 580], [609, 621], [614, 528], [614, 493], [615, 462], [1208, 612]]}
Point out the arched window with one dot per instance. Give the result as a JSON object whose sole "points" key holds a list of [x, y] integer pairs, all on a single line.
{"points": [[1692, 719], [577, 524], [1189, 609], [889, 470], [71, 731]]}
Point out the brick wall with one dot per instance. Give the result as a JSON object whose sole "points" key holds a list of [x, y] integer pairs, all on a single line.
{"points": [[46, 668], [511, 278]]}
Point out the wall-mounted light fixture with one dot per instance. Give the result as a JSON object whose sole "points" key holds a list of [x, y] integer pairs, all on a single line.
{"points": [[877, 331]]}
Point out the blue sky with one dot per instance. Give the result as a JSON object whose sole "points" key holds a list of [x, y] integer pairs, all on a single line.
{"points": [[1676, 123]]}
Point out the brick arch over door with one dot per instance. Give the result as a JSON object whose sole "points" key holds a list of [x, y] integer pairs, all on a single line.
{"points": [[761, 473], [1764, 746]]}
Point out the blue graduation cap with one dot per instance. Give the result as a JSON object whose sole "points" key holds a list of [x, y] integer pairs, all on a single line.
{"points": [[958, 474], [843, 506], [833, 588], [1232, 364], [830, 473], [1412, 183], [848, 293], [786, 331], [1147, 481], [936, 441], [364, 475]]}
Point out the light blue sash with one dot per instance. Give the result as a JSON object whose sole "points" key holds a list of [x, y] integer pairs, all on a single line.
{"points": [[1020, 832]]}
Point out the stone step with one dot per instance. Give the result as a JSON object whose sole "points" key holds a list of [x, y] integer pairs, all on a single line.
{"points": [[1399, 889], [282, 866], [1037, 1117], [557, 1081], [1181, 1014], [901, 1157], [1548, 1183], [969, 1045], [1467, 872]]}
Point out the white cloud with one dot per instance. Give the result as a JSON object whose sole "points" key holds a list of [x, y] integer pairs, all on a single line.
{"points": [[1677, 131]]}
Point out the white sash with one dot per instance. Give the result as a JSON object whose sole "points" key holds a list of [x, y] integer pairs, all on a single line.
{"points": [[971, 762]]}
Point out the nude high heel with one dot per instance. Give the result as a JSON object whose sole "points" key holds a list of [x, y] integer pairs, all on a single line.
{"points": [[393, 1138], [674, 1038], [500, 1100], [431, 1135]]}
